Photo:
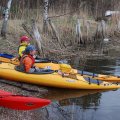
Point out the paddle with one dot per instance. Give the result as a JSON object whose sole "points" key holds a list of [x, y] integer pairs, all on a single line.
{"points": [[19, 102], [5, 55], [37, 60]]}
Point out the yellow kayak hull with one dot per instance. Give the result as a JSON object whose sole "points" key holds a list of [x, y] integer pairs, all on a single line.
{"points": [[55, 66], [8, 72], [109, 78]]}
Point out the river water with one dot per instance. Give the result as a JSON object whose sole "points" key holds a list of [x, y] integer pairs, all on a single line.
{"points": [[87, 104], [77, 104]]}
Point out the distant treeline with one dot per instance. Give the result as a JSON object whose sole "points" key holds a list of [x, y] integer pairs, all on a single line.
{"points": [[96, 8]]}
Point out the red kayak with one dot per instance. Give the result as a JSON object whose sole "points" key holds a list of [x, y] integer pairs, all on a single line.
{"points": [[19, 102]]}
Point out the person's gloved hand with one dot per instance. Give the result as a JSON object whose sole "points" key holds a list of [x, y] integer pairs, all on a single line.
{"points": [[36, 68]]}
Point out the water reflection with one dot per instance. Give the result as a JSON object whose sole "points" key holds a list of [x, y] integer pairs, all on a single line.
{"points": [[63, 94], [84, 102], [97, 106], [71, 104], [100, 66]]}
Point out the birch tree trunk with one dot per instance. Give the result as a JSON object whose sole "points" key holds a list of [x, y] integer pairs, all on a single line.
{"points": [[5, 21], [45, 16], [104, 28], [78, 32]]}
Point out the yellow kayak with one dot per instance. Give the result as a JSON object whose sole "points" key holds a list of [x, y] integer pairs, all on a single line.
{"points": [[55, 66], [107, 78], [8, 72]]}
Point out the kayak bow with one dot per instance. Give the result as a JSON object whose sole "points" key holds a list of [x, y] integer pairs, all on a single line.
{"points": [[19, 102]]}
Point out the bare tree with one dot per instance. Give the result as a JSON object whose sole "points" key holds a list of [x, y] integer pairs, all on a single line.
{"points": [[45, 16], [6, 16]]}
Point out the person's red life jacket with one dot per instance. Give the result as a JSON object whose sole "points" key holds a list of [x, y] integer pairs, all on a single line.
{"points": [[26, 65]]}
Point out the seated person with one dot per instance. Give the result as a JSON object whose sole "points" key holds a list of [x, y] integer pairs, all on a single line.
{"points": [[24, 42], [27, 60]]}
